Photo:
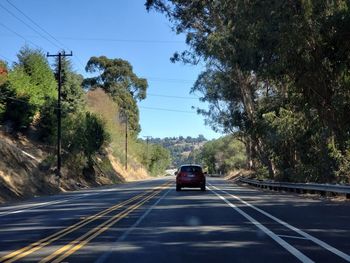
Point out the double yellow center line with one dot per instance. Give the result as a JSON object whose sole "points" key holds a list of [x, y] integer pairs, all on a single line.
{"points": [[78, 243]]}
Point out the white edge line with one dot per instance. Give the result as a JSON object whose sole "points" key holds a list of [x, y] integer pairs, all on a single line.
{"points": [[105, 256], [300, 232], [293, 237], [303, 258], [29, 207], [34, 206]]}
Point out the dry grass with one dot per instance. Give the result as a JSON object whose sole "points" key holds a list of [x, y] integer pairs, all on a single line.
{"points": [[102, 104], [20, 158]]}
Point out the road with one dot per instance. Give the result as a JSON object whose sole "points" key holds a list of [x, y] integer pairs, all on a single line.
{"points": [[149, 221]]}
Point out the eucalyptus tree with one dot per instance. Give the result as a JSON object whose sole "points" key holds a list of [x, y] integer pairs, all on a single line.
{"points": [[117, 78], [271, 65]]}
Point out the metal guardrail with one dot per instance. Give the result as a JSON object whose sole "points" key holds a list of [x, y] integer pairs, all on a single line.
{"points": [[322, 189]]}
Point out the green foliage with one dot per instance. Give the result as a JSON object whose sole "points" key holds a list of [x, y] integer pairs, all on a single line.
{"points": [[18, 111], [182, 150], [278, 72], [27, 87], [94, 135], [83, 135], [223, 155], [158, 159], [139, 152], [72, 94], [117, 78], [72, 103], [33, 76]]}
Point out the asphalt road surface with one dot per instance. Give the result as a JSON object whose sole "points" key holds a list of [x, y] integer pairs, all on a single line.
{"points": [[149, 221]]}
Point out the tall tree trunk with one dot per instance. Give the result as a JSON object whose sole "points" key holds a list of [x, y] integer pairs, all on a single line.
{"points": [[247, 92]]}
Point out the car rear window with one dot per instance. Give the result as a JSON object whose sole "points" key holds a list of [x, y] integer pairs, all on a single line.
{"points": [[191, 169]]}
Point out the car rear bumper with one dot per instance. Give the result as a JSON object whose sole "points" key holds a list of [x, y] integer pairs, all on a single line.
{"points": [[189, 182]]}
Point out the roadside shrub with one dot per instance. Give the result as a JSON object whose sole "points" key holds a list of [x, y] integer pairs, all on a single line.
{"points": [[48, 121], [19, 112], [94, 135]]}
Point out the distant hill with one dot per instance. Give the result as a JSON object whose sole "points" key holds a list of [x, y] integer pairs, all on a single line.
{"points": [[181, 148]]}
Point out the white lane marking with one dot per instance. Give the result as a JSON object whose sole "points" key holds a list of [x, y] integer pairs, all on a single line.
{"points": [[297, 230], [106, 255], [29, 207], [303, 258], [293, 237]]}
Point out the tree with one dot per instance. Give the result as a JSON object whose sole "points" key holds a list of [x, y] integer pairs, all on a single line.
{"points": [[33, 76], [117, 78], [270, 64], [94, 136], [159, 159], [72, 93], [27, 87], [223, 155], [72, 103], [3, 79]]}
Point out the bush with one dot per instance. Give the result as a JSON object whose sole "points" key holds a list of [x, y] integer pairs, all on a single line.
{"points": [[19, 111], [48, 121], [94, 135]]}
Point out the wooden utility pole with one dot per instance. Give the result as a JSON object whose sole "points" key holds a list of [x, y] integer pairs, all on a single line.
{"points": [[59, 110], [126, 140], [147, 143]]}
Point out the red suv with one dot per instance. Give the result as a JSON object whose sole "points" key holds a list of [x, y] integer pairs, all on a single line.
{"points": [[190, 175]]}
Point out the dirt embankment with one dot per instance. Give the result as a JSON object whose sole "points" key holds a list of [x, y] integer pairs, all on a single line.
{"points": [[234, 175], [23, 173]]}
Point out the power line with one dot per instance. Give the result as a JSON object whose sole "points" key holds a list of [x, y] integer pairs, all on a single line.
{"points": [[6, 58], [169, 96], [19, 35], [31, 20], [150, 41], [164, 109], [170, 80], [27, 102], [143, 41], [62, 45], [29, 26]]}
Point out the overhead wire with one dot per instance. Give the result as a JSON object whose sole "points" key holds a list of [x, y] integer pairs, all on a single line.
{"points": [[151, 41], [60, 45], [19, 35], [54, 107], [35, 23], [164, 109], [97, 39], [170, 96], [29, 26], [6, 58], [26, 102], [170, 80]]}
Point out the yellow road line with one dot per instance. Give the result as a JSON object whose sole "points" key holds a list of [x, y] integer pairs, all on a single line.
{"points": [[25, 251], [80, 242], [48, 240]]}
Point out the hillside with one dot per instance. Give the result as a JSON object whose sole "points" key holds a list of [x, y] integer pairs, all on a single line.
{"points": [[27, 165], [181, 149], [101, 104], [98, 117], [26, 170]]}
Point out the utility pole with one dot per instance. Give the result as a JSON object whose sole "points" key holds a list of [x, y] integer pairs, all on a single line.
{"points": [[59, 110], [147, 142], [126, 140]]}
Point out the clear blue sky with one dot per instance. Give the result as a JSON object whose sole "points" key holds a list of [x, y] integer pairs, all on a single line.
{"points": [[116, 29]]}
